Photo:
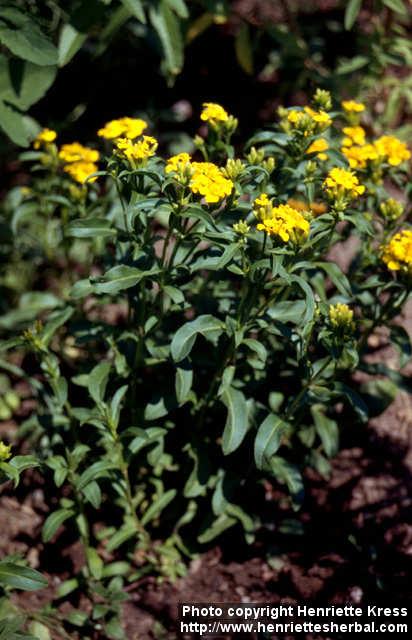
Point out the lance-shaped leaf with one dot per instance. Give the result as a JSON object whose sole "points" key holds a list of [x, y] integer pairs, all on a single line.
{"points": [[208, 326], [268, 439], [90, 228], [120, 278], [237, 420], [13, 575]]}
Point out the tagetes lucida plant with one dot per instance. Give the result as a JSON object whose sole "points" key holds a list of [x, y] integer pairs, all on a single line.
{"points": [[236, 334]]}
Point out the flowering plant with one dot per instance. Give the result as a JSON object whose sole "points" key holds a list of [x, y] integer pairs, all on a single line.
{"points": [[199, 337]]}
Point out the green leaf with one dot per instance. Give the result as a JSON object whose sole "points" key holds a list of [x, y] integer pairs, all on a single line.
{"points": [[327, 430], [183, 381], [337, 276], [289, 474], [94, 562], [120, 278], [208, 326], [237, 420], [396, 5], [167, 25], [54, 322], [30, 305], [23, 83], [136, 9], [93, 494], [179, 7], [121, 536], [401, 340], [354, 64], [268, 439], [14, 125], [98, 379], [13, 575], [90, 228], [243, 48], [54, 521], [97, 470], [351, 13], [70, 42], [217, 527], [23, 36], [157, 506], [257, 347]]}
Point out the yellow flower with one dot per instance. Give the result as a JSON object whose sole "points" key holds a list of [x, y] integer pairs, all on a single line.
{"points": [[45, 137], [80, 171], [282, 221], [319, 146], [354, 135], [392, 149], [341, 316], [342, 183], [209, 182], [351, 106], [137, 151], [213, 113], [76, 152], [320, 117], [177, 163], [5, 451], [358, 156], [397, 253], [129, 128]]}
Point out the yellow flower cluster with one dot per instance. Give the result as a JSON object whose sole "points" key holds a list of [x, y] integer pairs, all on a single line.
{"points": [[5, 451], [319, 147], [79, 161], [397, 253], [178, 163], [359, 153], [353, 135], [129, 128], [139, 151], [351, 106], [282, 221], [308, 120], [341, 316], [213, 113], [209, 182], [342, 183], [45, 137], [392, 149]]}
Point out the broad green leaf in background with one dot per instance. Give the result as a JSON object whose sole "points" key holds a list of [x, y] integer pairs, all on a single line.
{"points": [[20, 33], [351, 13], [70, 42], [23, 83], [243, 48], [167, 25]]}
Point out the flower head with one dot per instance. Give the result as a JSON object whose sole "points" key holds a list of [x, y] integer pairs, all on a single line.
{"points": [[241, 228], [129, 128], [282, 221], [209, 182], [45, 137], [353, 135], [359, 156], [5, 451], [342, 183], [319, 146], [213, 113], [80, 171], [392, 149], [76, 152], [139, 151], [397, 253], [177, 163], [351, 106], [341, 317]]}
